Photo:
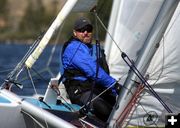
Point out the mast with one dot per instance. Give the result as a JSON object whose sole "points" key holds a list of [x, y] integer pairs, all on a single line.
{"points": [[147, 52], [54, 26]]}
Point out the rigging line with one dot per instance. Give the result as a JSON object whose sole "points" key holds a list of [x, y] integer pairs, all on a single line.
{"points": [[139, 100], [29, 74], [88, 103], [84, 123], [67, 105], [47, 81], [40, 75], [139, 75], [36, 121], [164, 35], [6, 70], [54, 47], [75, 52], [13, 75], [108, 33], [34, 75], [133, 94], [162, 68], [129, 106], [105, 91], [31, 49], [100, 94]]}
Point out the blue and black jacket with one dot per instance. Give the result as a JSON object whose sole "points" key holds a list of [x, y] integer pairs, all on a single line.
{"points": [[78, 58]]}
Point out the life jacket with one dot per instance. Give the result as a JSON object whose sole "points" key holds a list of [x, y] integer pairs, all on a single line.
{"points": [[70, 73]]}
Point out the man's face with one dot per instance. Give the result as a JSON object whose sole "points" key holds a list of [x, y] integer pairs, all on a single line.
{"points": [[84, 34]]}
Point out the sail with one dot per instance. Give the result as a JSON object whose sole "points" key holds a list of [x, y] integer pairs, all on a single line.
{"points": [[132, 25], [163, 74], [129, 25]]}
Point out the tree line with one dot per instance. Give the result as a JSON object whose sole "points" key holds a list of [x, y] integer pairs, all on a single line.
{"points": [[37, 20]]}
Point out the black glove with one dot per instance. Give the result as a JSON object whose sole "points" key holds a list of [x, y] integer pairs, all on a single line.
{"points": [[84, 110], [117, 87]]}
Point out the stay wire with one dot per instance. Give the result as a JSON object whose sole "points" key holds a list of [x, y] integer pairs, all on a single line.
{"points": [[163, 43], [38, 74], [121, 51], [67, 106], [54, 47], [136, 71], [88, 103], [35, 120], [13, 75], [100, 21], [29, 74], [163, 61], [139, 75], [22, 62]]}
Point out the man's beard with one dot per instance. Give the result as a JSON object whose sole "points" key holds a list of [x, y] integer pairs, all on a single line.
{"points": [[87, 40]]}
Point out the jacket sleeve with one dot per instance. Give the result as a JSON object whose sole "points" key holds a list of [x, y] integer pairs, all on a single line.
{"points": [[83, 61]]}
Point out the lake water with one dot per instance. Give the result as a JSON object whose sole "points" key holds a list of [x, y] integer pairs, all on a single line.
{"points": [[11, 55]]}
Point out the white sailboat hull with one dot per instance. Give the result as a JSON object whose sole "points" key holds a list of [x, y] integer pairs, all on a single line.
{"points": [[11, 116], [25, 114]]}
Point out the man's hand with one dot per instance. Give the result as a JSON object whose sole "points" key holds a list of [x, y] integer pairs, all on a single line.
{"points": [[117, 87]]}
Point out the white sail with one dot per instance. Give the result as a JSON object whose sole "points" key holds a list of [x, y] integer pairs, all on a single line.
{"points": [[135, 25], [129, 25], [164, 73]]}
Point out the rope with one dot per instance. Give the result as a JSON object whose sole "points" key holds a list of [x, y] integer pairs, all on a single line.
{"points": [[129, 106], [29, 74], [37, 122], [87, 105], [100, 94], [54, 47], [108, 33]]}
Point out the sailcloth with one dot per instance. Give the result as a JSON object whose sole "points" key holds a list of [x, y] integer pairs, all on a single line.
{"points": [[129, 25], [163, 71]]}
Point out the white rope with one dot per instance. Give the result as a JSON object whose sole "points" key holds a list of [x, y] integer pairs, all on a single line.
{"points": [[100, 94], [33, 119], [36, 94]]}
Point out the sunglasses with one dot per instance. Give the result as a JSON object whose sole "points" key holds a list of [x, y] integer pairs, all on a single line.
{"points": [[85, 28]]}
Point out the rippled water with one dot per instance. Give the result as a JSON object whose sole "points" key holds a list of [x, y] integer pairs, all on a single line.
{"points": [[11, 55]]}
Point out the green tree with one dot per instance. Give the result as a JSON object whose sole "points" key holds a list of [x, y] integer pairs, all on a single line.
{"points": [[3, 16], [104, 10], [3, 8], [35, 20]]}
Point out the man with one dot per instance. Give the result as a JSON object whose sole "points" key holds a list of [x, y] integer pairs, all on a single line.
{"points": [[84, 77]]}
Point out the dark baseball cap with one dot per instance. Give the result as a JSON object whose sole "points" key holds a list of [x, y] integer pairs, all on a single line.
{"points": [[82, 22]]}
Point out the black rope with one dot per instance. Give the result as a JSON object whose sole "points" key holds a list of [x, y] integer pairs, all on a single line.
{"points": [[85, 109], [12, 76], [139, 75]]}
